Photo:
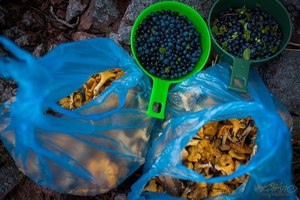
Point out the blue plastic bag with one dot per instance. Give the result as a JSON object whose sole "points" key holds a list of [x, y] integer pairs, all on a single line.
{"points": [[204, 98], [86, 151]]}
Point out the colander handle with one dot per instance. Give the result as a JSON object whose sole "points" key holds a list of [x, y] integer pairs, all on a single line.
{"points": [[159, 93], [239, 75]]}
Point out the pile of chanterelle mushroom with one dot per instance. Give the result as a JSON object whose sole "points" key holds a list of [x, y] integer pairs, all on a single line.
{"points": [[216, 150]]}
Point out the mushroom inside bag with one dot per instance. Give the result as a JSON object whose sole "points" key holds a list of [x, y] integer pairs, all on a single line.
{"points": [[198, 150], [78, 123]]}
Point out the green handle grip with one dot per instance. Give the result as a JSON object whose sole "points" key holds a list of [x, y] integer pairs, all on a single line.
{"points": [[158, 98], [239, 75]]}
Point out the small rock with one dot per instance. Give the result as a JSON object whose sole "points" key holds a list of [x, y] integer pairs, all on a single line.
{"points": [[14, 92], [124, 34], [86, 19], [22, 41], [28, 19], [105, 14], [135, 7], [82, 36], [13, 32], [61, 38], [61, 13], [100, 15], [56, 2], [3, 98], [290, 8], [114, 37], [1, 86], [39, 50], [33, 38], [3, 12], [120, 197], [44, 5], [76, 8]]}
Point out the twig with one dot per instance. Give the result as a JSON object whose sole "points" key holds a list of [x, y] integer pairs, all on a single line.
{"points": [[63, 22], [288, 49], [229, 14], [42, 12], [294, 44], [215, 60]]}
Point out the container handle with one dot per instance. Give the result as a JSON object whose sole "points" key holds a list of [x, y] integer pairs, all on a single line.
{"points": [[159, 93], [239, 75]]}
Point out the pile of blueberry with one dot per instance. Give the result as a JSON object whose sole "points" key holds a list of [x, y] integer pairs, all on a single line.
{"points": [[167, 44], [249, 33]]}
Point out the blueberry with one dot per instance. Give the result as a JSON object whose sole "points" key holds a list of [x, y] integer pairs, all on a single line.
{"points": [[161, 41], [166, 61], [278, 42], [152, 71], [161, 57]]}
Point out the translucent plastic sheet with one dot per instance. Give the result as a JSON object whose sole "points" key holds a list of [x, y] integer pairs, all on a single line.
{"points": [[204, 98], [89, 150]]}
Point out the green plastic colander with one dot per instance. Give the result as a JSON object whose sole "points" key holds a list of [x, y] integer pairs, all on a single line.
{"points": [[160, 86]]}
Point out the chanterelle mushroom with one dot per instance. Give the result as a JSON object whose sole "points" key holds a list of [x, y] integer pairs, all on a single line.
{"points": [[225, 164], [237, 125], [219, 188], [217, 154], [92, 88]]}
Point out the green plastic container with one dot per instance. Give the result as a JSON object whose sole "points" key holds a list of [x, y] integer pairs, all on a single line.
{"points": [[240, 67], [160, 86]]}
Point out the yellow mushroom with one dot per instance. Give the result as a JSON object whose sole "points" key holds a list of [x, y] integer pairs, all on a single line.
{"points": [[219, 188], [225, 164], [241, 179], [190, 165], [184, 154], [65, 102], [91, 89], [193, 142], [241, 149], [237, 125], [224, 133], [194, 155], [236, 155], [151, 187], [77, 100], [200, 191], [211, 129], [200, 133], [198, 167]]}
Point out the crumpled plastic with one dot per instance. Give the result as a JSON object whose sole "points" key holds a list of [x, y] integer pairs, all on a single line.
{"points": [[204, 98], [86, 151]]}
